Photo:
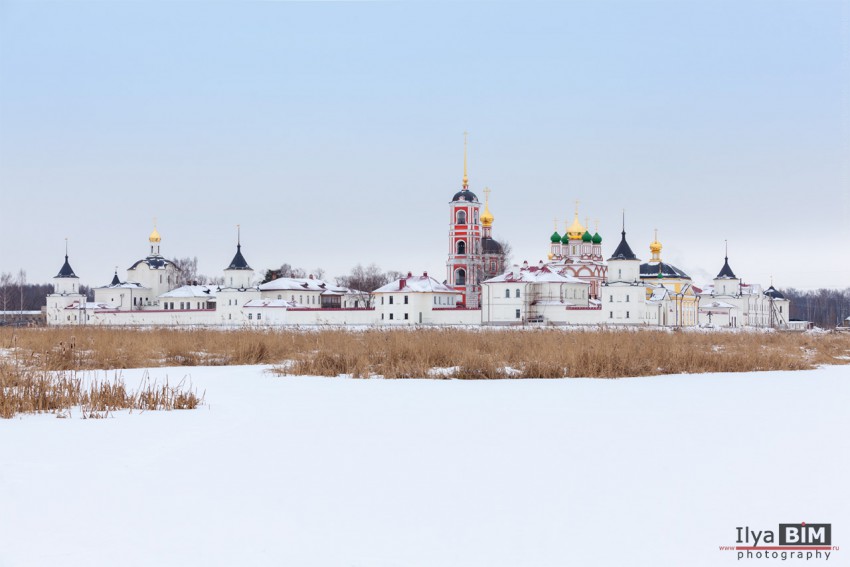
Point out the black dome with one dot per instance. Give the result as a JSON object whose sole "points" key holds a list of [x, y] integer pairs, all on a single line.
{"points": [[774, 293], [652, 269], [465, 195], [491, 246]]}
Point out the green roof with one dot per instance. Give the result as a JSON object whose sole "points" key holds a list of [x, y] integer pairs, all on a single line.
{"points": [[597, 239], [555, 237], [586, 237]]}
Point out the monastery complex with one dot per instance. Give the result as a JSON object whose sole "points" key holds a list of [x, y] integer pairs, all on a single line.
{"points": [[576, 286]]}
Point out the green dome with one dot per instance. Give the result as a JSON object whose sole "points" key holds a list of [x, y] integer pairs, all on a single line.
{"points": [[566, 238], [586, 237], [555, 237], [597, 239]]}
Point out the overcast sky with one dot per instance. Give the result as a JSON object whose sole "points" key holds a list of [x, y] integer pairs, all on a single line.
{"points": [[333, 132]]}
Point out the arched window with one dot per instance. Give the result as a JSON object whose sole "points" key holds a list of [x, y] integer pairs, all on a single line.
{"points": [[461, 247], [461, 217], [460, 277], [517, 293], [507, 293], [475, 216]]}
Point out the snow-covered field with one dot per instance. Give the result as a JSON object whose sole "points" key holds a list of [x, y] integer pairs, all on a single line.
{"points": [[303, 471]]}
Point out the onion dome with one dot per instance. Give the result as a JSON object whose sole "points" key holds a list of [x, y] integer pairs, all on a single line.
{"points": [[597, 239], [556, 238], [586, 237], [487, 217], [655, 247], [576, 229], [465, 195], [154, 237]]}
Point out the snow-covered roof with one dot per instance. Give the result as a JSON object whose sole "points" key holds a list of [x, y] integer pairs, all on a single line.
{"points": [[270, 303], [716, 305], [123, 285], [300, 284], [415, 284], [533, 274], [154, 262], [89, 305], [204, 291]]}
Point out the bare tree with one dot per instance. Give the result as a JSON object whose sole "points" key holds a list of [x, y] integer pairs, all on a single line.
{"points": [[364, 281], [285, 271], [22, 282], [507, 252], [6, 284], [187, 270]]}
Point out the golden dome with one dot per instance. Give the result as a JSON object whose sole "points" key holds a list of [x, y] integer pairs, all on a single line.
{"points": [[576, 229], [655, 248], [154, 237], [487, 216]]}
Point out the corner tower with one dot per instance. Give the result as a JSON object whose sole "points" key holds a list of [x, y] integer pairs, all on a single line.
{"points": [[464, 265], [238, 274]]}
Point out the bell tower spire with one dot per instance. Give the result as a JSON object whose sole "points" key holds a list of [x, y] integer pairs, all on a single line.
{"points": [[465, 176]]}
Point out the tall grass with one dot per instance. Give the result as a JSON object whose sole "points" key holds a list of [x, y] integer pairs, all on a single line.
{"points": [[414, 353], [49, 384]]}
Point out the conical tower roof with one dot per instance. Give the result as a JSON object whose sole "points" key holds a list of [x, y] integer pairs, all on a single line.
{"points": [[623, 251], [66, 271]]}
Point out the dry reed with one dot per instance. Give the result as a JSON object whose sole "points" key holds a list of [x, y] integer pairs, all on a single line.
{"points": [[415, 353], [25, 388]]}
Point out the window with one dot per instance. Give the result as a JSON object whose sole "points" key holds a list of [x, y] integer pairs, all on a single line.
{"points": [[250, 315], [382, 300], [461, 247], [405, 316], [517, 293], [461, 217], [460, 277], [517, 313], [391, 316], [627, 298], [475, 216], [382, 315], [228, 315], [279, 296], [610, 314], [627, 314], [507, 293], [391, 300], [611, 298], [405, 300], [620, 274], [259, 316]]}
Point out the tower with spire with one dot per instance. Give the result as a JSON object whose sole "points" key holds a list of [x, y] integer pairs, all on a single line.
{"points": [[238, 274], [464, 267], [726, 282], [65, 306]]}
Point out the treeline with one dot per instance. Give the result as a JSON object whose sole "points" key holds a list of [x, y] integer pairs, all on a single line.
{"points": [[826, 308]]}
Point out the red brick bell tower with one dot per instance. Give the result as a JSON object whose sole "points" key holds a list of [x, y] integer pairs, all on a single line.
{"points": [[464, 266]]}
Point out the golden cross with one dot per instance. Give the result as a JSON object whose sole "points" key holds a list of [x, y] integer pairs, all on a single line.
{"points": [[555, 220], [487, 193], [577, 207]]}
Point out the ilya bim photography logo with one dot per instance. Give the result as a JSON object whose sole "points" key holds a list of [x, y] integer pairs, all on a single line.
{"points": [[789, 542]]}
